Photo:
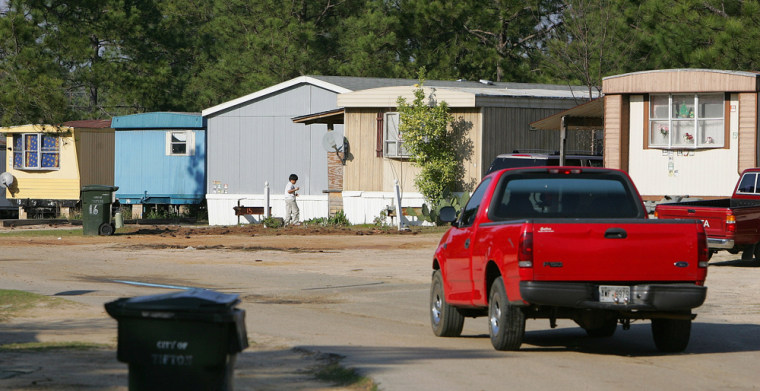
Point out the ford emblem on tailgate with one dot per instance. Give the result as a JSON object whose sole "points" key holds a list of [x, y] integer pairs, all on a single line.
{"points": [[681, 264]]}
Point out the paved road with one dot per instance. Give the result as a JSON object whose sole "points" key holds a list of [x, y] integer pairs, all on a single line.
{"points": [[371, 306]]}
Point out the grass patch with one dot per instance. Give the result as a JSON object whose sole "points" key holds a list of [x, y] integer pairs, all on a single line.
{"points": [[338, 375], [13, 302], [48, 346], [44, 232]]}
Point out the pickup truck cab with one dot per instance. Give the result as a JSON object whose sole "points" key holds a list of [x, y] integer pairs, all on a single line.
{"points": [[566, 242], [517, 159], [731, 224]]}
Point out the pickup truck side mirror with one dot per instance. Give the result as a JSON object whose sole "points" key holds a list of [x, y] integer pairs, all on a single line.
{"points": [[448, 214]]}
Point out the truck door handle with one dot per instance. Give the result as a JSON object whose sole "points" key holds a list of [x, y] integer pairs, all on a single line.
{"points": [[467, 243], [691, 210], [615, 233]]}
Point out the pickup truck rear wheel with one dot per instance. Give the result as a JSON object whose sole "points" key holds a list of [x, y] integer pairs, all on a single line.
{"points": [[445, 319], [671, 335], [757, 253], [506, 323]]}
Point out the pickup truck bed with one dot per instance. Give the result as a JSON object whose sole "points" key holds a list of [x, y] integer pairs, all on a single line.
{"points": [[566, 243], [731, 224]]}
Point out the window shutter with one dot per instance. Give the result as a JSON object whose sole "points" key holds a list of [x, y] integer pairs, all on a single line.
{"points": [[380, 139]]}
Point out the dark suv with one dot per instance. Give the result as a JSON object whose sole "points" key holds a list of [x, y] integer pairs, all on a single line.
{"points": [[513, 160]]}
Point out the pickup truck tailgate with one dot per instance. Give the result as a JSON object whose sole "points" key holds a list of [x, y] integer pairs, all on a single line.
{"points": [[648, 250], [713, 219]]}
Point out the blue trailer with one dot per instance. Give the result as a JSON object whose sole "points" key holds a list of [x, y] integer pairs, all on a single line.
{"points": [[160, 159]]}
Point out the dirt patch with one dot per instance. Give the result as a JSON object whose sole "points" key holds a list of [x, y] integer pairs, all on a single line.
{"points": [[262, 299], [258, 229], [57, 252]]}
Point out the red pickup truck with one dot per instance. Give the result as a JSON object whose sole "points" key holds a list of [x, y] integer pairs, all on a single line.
{"points": [[566, 242], [731, 224]]}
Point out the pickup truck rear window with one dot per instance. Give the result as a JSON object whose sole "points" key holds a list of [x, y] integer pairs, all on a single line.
{"points": [[748, 183], [563, 196]]}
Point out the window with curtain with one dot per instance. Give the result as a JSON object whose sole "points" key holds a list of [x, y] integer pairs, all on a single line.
{"points": [[36, 151], [686, 121]]}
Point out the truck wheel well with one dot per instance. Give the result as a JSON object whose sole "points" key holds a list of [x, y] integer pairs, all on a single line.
{"points": [[492, 273], [436, 266]]}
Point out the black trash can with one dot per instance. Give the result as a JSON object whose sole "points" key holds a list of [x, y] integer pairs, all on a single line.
{"points": [[185, 340]]}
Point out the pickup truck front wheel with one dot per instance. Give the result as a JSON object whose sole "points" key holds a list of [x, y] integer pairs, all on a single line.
{"points": [[445, 319], [671, 335], [506, 323]]}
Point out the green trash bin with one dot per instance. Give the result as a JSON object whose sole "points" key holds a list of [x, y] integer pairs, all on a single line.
{"points": [[185, 340], [97, 201]]}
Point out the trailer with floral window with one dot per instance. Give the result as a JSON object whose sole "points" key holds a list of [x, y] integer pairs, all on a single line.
{"points": [[47, 165]]}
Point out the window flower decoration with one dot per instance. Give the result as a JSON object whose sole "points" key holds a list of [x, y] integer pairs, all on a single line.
{"points": [[710, 140], [688, 137], [663, 130]]}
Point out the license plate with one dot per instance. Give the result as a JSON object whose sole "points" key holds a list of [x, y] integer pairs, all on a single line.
{"points": [[614, 294]]}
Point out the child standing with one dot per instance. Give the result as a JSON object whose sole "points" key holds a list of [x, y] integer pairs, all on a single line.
{"points": [[291, 208]]}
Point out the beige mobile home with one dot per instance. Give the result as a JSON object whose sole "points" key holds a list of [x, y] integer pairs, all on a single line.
{"points": [[681, 131], [495, 116]]}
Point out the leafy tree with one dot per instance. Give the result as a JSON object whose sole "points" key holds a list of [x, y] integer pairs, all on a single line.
{"points": [[260, 43], [478, 39], [424, 125], [369, 43], [589, 43], [31, 84], [702, 34]]}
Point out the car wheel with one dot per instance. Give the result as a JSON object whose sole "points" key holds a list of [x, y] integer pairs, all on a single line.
{"points": [[671, 335], [506, 323], [444, 318]]}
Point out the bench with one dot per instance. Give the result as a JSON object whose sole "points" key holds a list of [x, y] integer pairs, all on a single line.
{"points": [[250, 210]]}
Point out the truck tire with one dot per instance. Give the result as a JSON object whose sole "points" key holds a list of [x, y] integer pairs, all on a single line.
{"points": [[444, 318], [506, 323], [757, 253], [671, 335]]}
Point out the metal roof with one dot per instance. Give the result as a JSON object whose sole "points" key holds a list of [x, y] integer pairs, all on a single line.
{"points": [[364, 83], [90, 123], [35, 128], [159, 120], [737, 73], [344, 84], [325, 117], [64, 127], [466, 96]]}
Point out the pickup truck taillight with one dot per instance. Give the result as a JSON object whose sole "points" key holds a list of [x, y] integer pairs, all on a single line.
{"points": [[730, 223], [525, 252], [703, 252]]}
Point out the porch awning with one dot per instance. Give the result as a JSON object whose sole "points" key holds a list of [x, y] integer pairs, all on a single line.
{"points": [[331, 117], [587, 116]]}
